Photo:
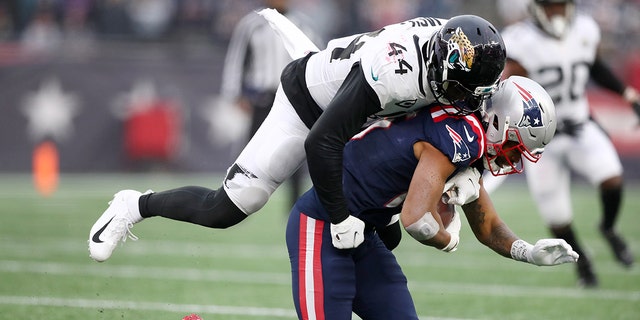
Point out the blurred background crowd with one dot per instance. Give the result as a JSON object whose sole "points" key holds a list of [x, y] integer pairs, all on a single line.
{"points": [[47, 22], [77, 72]]}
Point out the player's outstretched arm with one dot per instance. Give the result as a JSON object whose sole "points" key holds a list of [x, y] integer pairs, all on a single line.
{"points": [[602, 74], [495, 234], [546, 252]]}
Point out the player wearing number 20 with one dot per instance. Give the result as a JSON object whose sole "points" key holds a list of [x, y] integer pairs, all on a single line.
{"points": [[558, 48]]}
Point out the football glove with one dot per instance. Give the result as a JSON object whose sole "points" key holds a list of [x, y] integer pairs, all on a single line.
{"points": [[454, 231], [391, 234], [347, 234], [462, 188], [546, 252]]}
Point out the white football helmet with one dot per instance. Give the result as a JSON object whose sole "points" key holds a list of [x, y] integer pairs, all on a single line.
{"points": [[556, 25], [520, 111]]}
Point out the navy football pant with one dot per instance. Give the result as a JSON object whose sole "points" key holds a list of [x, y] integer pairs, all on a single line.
{"points": [[328, 283]]}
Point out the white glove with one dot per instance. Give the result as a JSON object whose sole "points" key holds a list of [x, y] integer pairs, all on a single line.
{"points": [[462, 188], [347, 234], [546, 252], [454, 231]]}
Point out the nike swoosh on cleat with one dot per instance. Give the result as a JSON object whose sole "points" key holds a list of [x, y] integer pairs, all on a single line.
{"points": [[96, 236]]}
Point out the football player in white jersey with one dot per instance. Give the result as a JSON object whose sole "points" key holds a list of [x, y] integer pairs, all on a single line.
{"points": [[323, 100], [558, 48]]}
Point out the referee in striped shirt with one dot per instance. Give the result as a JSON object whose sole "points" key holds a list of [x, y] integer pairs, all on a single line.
{"points": [[253, 64]]}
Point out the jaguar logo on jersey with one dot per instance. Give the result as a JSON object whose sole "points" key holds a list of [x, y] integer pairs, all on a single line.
{"points": [[532, 114], [460, 148], [461, 51]]}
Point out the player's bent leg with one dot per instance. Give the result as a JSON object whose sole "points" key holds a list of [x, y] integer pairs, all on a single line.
{"points": [[600, 164], [114, 224], [611, 197], [198, 205], [272, 155], [586, 276]]}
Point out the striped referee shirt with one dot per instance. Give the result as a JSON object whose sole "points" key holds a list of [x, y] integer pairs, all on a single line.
{"points": [[256, 56]]}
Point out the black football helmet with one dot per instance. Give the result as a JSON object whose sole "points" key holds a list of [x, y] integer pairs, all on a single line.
{"points": [[464, 62]]}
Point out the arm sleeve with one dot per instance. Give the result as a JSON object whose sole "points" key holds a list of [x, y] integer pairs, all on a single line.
{"points": [[603, 76], [343, 118]]}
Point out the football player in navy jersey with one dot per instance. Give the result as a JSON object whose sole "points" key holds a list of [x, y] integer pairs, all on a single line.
{"points": [[323, 100], [402, 166], [558, 48]]}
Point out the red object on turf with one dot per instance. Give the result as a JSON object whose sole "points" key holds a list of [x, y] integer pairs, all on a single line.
{"points": [[192, 316], [446, 212]]}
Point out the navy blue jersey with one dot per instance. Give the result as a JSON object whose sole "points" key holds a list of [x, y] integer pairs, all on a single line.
{"points": [[379, 162], [330, 283]]}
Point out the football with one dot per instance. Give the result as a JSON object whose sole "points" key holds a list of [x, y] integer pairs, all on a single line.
{"points": [[446, 212]]}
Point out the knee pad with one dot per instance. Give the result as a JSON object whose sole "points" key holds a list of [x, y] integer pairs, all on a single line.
{"points": [[246, 190]]}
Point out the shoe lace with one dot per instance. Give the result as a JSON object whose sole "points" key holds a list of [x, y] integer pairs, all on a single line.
{"points": [[123, 230]]}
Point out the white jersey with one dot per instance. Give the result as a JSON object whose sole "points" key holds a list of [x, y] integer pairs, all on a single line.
{"points": [[561, 66], [391, 59]]}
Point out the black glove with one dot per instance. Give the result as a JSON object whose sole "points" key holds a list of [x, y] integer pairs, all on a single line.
{"points": [[391, 235]]}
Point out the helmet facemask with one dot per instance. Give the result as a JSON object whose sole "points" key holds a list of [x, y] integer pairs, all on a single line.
{"points": [[501, 152], [520, 121], [556, 25]]}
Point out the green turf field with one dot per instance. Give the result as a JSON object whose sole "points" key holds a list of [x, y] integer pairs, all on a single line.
{"points": [[243, 273]]}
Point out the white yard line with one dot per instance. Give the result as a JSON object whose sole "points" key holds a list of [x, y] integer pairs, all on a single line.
{"points": [[161, 273], [408, 257], [153, 306], [162, 306], [283, 278], [477, 289]]}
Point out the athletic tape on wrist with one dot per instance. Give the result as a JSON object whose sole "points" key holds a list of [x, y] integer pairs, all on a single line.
{"points": [[425, 228], [520, 250], [453, 244]]}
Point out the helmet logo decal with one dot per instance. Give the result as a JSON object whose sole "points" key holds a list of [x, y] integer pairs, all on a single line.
{"points": [[460, 149], [532, 113], [460, 51]]}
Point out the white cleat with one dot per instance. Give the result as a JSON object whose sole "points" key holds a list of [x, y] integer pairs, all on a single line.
{"points": [[114, 224]]}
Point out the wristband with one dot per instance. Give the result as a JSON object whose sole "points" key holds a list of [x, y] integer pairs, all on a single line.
{"points": [[521, 250], [453, 244]]}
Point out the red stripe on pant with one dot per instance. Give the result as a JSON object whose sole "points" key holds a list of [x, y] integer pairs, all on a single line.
{"points": [[311, 288]]}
